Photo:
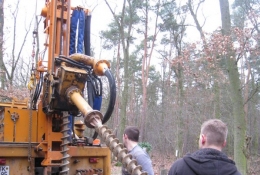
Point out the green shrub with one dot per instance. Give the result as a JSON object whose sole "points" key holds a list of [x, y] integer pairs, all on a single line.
{"points": [[118, 164], [145, 145]]}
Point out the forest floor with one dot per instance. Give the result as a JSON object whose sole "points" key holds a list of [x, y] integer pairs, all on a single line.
{"points": [[160, 163]]}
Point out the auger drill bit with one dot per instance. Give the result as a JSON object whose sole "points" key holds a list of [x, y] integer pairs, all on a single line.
{"points": [[113, 143]]}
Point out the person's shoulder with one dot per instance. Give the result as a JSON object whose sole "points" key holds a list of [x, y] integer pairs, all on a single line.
{"points": [[138, 150], [180, 160], [173, 169], [138, 147], [237, 172], [177, 162]]}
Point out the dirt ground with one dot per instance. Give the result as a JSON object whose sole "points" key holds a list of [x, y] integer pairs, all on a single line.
{"points": [[115, 170]]}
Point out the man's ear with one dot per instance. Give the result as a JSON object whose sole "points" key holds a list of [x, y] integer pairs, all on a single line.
{"points": [[203, 139], [224, 144]]}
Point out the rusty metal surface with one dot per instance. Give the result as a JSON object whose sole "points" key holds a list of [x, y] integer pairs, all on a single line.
{"points": [[10, 149], [20, 104], [17, 166], [18, 131], [81, 151]]}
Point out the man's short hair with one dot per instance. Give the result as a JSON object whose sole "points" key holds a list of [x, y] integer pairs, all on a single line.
{"points": [[132, 133], [215, 130]]}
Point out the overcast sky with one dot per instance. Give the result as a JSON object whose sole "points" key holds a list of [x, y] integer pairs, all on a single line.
{"points": [[101, 17]]}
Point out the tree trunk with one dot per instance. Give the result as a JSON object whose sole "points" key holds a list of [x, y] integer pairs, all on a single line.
{"points": [[146, 62], [144, 74], [125, 41], [116, 117], [198, 26], [180, 100], [126, 44], [236, 94]]}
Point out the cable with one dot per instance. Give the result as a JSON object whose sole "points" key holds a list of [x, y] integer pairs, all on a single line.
{"points": [[37, 91], [112, 99], [72, 62]]}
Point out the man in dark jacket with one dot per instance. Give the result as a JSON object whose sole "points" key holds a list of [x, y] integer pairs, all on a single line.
{"points": [[208, 160]]}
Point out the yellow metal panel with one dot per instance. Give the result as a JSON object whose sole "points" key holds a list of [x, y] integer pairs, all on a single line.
{"points": [[15, 155], [41, 123], [79, 159], [19, 131], [21, 104], [79, 151], [16, 150], [18, 166]]}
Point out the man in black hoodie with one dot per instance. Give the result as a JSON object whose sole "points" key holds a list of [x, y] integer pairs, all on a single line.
{"points": [[208, 160]]}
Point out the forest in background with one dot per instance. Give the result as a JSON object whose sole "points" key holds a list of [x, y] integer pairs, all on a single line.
{"points": [[216, 76]]}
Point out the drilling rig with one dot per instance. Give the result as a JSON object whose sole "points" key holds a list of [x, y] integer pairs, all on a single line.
{"points": [[43, 135]]}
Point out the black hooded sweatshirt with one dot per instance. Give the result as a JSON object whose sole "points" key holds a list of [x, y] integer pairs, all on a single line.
{"points": [[205, 161]]}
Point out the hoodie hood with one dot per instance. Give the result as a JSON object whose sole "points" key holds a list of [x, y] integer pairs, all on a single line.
{"points": [[210, 162]]}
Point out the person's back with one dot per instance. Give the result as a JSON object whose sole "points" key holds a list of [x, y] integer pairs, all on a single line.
{"points": [[205, 161], [208, 160], [142, 159]]}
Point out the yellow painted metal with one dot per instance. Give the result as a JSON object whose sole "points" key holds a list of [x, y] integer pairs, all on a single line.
{"points": [[80, 157], [41, 123], [16, 158], [54, 29], [18, 165], [20, 104], [71, 77], [80, 102], [99, 66], [50, 23], [89, 151], [17, 155], [79, 128], [52, 154], [14, 150], [1, 135], [18, 131], [1, 124]]}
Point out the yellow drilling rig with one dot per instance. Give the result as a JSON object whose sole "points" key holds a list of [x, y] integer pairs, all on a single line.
{"points": [[42, 135]]}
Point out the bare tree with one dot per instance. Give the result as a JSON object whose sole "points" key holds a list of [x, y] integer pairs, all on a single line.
{"points": [[147, 56], [2, 74], [10, 66], [125, 21]]}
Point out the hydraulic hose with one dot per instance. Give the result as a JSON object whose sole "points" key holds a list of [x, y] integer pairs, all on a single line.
{"points": [[90, 90], [112, 99], [72, 62], [87, 34], [91, 94], [37, 92]]}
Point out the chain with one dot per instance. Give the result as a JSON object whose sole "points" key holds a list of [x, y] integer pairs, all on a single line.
{"points": [[34, 43], [30, 135], [30, 114]]}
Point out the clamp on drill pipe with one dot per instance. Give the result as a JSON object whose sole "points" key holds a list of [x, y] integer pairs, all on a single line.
{"points": [[93, 120]]}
